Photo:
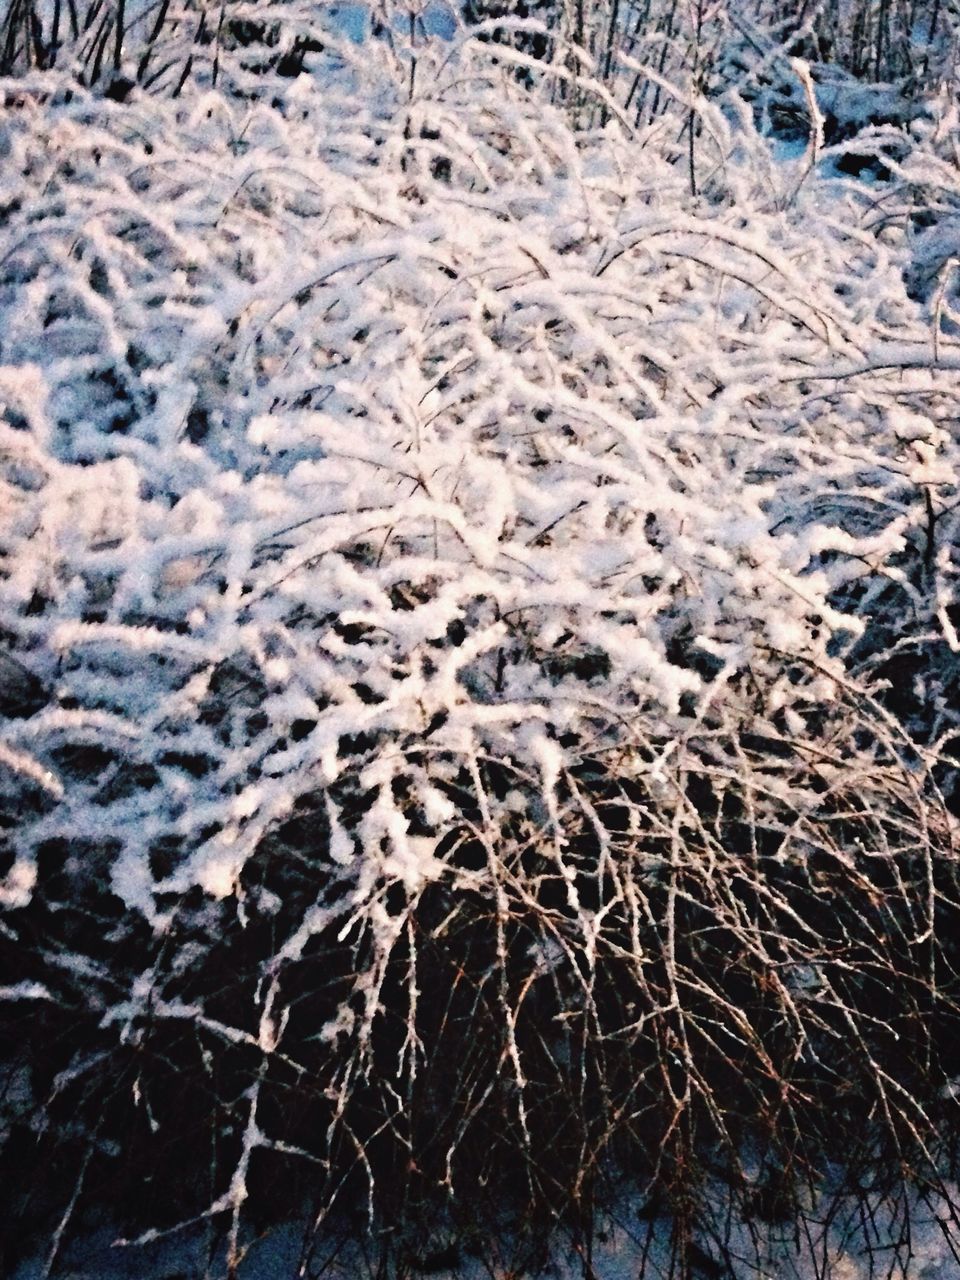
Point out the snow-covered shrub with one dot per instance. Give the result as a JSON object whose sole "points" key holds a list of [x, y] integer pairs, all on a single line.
{"points": [[648, 51], [435, 553], [642, 50]]}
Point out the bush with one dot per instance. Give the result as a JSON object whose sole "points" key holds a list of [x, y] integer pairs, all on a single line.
{"points": [[460, 595]]}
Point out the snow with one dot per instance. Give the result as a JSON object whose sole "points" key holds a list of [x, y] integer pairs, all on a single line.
{"points": [[832, 1245]]}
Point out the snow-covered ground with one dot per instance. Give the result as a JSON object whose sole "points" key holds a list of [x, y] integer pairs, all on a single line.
{"points": [[838, 1241]]}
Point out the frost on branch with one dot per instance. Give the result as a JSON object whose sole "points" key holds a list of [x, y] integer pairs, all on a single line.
{"points": [[445, 566]]}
